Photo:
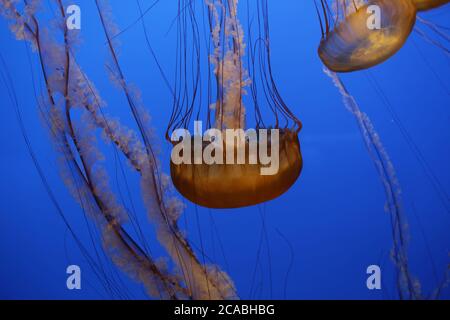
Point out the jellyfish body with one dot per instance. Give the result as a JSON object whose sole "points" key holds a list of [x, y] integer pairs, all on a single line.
{"points": [[423, 5], [242, 181], [352, 45], [227, 186]]}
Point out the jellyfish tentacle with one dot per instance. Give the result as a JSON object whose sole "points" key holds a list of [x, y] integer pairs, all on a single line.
{"points": [[407, 287], [203, 278]]}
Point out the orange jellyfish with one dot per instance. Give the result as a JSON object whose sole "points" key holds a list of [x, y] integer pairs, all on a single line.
{"points": [[231, 166], [360, 34], [423, 5]]}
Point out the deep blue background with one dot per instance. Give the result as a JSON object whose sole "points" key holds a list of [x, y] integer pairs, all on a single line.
{"points": [[333, 218]]}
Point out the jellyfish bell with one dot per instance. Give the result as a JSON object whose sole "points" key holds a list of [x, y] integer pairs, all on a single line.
{"points": [[352, 45], [263, 166], [423, 5], [241, 183]]}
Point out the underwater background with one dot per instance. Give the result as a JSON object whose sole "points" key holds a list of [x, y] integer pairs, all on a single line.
{"points": [[314, 242]]}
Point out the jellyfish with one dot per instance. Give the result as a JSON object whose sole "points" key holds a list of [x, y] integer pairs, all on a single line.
{"points": [[352, 41], [423, 5], [245, 180], [408, 286]]}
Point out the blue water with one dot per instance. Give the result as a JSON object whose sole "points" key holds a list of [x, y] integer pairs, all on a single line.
{"points": [[314, 242]]}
